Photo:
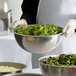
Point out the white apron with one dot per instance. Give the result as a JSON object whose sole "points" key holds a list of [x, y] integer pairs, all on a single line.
{"points": [[57, 12]]}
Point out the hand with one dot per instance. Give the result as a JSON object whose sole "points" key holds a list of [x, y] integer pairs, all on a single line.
{"points": [[17, 23], [69, 28]]}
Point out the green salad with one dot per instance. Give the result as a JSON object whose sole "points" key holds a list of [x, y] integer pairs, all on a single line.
{"points": [[62, 60], [39, 30]]}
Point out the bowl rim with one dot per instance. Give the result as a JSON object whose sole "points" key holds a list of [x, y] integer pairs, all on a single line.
{"points": [[24, 66], [23, 73], [13, 30], [39, 60]]}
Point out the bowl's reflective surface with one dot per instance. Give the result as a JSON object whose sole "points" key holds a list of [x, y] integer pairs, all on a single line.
{"points": [[49, 70], [24, 74], [20, 66], [38, 44]]}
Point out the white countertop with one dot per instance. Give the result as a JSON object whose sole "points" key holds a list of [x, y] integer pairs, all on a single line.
{"points": [[10, 51], [37, 71], [10, 36]]}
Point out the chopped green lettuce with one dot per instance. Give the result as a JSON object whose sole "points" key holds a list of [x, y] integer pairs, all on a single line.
{"points": [[39, 30]]}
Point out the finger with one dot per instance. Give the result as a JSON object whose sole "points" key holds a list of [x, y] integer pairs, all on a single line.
{"points": [[11, 26], [15, 25], [69, 33], [65, 28]]}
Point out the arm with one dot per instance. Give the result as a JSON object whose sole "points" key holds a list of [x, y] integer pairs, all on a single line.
{"points": [[29, 9]]}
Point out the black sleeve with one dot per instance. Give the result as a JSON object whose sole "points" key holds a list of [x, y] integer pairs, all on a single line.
{"points": [[29, 9]]}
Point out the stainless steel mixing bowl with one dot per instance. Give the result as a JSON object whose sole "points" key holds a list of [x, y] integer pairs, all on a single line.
{"points": [[49, 70], [20, 66], [24, 74], [38, 44]]}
